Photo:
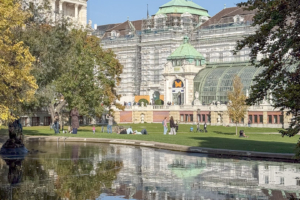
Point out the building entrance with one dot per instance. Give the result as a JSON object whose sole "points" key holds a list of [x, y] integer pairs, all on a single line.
{"points": [[178, 92]]}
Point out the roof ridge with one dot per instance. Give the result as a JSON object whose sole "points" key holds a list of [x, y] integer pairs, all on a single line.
{"points": [[116, 26]]}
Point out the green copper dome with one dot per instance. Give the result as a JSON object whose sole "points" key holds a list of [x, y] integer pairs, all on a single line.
{"points": [[186, 51], [182, 6]]}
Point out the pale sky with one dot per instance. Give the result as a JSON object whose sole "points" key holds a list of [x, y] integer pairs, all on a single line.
{"points": [[116, 11]]}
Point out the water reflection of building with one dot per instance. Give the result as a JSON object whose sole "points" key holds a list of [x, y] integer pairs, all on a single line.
{"points": [[152, 174]]}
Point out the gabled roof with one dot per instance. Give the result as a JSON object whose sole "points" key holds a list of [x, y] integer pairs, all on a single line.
{"points": [[185, 51], [226, 15], [122, 28], [182, 6]]}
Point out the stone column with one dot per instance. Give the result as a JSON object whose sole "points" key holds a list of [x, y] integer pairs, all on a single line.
{"points": [[83, 16], [76, 11], [166, 91], [61, 6], [186, 92]]}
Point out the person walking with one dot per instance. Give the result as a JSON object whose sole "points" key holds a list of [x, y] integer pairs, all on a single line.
{"points": [[198, 127], [110, 123], [172, 126], [249, 123], [205, 126], [94, 129], [56, 123], [165, 125]]}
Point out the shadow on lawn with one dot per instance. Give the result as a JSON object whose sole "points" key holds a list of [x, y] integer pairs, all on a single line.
{"points": [[245, 144], [36, 132], [222, 133]]}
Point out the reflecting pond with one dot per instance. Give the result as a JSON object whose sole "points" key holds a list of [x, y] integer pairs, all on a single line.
{"points": [[106, 171]]}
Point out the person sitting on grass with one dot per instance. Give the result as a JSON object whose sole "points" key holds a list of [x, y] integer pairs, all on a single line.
{"points": [[129, 130], [242, 134], [191, 129]]}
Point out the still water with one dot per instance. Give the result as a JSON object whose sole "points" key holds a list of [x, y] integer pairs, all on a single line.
{"points": [[113, 172]]}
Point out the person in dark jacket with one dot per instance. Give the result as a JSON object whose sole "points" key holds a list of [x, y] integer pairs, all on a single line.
{"points": [[172, 126], [205, 126]]}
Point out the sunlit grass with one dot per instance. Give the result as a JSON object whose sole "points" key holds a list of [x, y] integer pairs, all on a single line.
{"points": [[260, 139]]}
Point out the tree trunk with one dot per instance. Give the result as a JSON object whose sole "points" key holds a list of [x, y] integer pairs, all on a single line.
{"points": [[236, 129], [52, 110]]}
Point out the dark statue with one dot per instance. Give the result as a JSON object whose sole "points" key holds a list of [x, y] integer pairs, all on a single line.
{"points": [[14, 146]]}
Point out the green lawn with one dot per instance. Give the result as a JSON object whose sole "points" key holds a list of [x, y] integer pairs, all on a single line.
{"points": [[260, 139]]}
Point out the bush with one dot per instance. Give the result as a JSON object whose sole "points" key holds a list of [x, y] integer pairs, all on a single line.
{"points": [[143, 100], [159, 102]]}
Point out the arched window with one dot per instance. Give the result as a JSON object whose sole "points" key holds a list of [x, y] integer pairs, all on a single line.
{"points": [[178, 84]]}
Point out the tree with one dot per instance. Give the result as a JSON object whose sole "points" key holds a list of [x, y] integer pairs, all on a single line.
{"points": [[72, 70], [17, 84], [237, 102], [278, 38]]}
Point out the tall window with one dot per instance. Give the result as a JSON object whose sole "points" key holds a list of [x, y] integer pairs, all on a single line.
{"points": [[281, 180], [270, 119], [261, 120], [281, 119], [191, 118], [266, 179], [35, 121], [275, 119]]}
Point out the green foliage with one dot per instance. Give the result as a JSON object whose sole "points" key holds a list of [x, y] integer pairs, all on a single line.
{"points": [[159, 102], [71, 68], [278, 38], [143, 100]]}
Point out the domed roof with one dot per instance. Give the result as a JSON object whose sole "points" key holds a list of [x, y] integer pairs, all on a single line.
{"points": [[182, 6], [185, 51]]}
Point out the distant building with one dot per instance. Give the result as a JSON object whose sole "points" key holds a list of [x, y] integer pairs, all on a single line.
{"points": [[183, 56], [74, 10]]}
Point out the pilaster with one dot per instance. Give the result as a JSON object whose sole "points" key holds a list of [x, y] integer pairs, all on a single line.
{"points": [[265, 117], [117, 116]]}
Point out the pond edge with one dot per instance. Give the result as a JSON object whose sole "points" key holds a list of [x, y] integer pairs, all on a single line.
{"points": [[173, 147]]}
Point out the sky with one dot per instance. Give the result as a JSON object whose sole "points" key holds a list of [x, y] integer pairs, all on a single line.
{"points": [[116, 11]]}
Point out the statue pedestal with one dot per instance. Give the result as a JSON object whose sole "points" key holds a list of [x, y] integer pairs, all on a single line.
{"points": [[12, 150], [13, 153], [197, 102]]}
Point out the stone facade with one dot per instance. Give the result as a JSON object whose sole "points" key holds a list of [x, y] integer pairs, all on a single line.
{"points": [[212, 115], [74, 10]]}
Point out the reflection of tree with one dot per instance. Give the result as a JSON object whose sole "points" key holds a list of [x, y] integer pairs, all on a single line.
{"points": [[22, 182], [75, 173], [82, 176]]}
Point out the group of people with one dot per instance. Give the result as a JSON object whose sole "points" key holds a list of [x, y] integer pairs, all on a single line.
{"points": [[74, 114], [199, 127], [130, 131], [173, 126]]}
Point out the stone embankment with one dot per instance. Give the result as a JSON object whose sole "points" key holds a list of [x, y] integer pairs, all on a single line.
{"points": [[172, 147]]}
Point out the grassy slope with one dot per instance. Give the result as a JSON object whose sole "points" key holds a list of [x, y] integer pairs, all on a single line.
{"points": [[260, 139]]}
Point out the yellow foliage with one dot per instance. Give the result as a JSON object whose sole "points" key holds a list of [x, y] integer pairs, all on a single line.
{"points": [[16, 82], [237, 107]]}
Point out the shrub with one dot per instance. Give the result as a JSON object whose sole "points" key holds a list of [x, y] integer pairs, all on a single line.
{"points": [[159, 102], [143, 100]]}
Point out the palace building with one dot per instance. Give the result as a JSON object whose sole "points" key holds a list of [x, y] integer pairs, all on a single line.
{"points": [[183, 56], [73, 10]]}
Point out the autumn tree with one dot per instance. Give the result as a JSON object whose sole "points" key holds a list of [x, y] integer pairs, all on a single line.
{"points": [[237, 107], [277, 37], [17, 84]]}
